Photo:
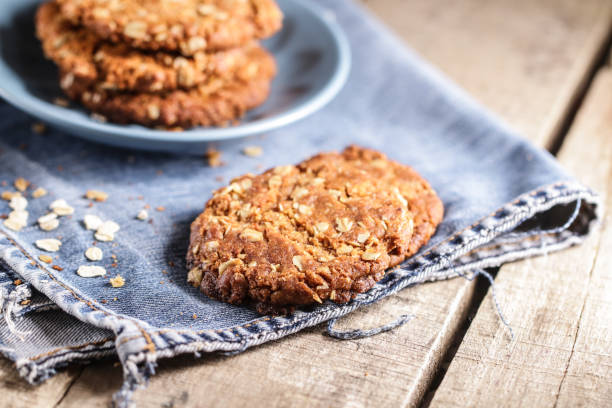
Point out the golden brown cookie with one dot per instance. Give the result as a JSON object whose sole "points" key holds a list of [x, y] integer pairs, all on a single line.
{"points": [[85, 60], [202, 106], [188, 26], [327, 228], [217, 102]]}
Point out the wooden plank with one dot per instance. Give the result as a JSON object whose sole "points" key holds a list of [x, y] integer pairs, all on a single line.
{"points": [[308, 368], [16, 393], [519, 72], [510, 55], [558, 305]]}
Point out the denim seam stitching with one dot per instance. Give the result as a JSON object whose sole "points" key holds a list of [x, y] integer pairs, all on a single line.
{"points": [[70, 348], [376, 291]]}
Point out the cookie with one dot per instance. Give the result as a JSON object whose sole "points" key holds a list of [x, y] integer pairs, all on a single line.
{"points": [[85, 60], [218, 102], [327, 228], [188, 26]]}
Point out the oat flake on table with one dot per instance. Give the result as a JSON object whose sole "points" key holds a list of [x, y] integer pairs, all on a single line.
{"points": [[49, 244], [94, 254], [88, 271]]}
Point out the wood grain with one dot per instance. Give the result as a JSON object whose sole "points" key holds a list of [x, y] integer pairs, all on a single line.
{"points": [[16, 393], [558, 305], [525, 60]]}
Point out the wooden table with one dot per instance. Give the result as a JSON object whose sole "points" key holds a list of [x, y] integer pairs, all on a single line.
{"points": [[542, 66]]}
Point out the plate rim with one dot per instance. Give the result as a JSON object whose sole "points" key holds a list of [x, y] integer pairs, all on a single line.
{"points": [[55, 115]]}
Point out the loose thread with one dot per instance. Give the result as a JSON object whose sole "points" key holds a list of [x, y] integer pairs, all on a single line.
{"points": [[360, 334], [488, 277]]}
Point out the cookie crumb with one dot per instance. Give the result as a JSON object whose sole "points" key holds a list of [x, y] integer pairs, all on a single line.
{"points": [[90, 271], [39, 192], [57, 268], [252, 151], [94, 254], [39, 128], [117, 281], [9, 195], [96, 195], [214, 158], [17, 282], [195, 316], [21, 184], [25, 302], [49, 245], [160, 208], [61, 102]]}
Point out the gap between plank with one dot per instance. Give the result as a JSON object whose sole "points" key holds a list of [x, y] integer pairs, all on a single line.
{"points": [[480, 291], [601, 60], [69, 387], [584, 301]]}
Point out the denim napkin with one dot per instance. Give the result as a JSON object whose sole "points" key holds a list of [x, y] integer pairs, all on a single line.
{"points": [[504, 200]]}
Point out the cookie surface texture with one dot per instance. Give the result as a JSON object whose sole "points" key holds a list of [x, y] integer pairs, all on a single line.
{"points": [[327, 228], [185, 26]]}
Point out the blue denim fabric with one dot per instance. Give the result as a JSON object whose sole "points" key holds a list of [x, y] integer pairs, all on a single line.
{"points": [[504, 200]]}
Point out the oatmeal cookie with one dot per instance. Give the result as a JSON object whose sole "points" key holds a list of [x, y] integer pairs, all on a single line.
{"points": [[216, 103], [187, 26], [84, 60], [327, 228]]}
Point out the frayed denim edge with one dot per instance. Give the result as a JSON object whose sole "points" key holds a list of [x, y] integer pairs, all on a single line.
{"points": [[37, 371], [11, 305]]}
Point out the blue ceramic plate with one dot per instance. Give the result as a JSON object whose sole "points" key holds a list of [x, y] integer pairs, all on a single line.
{"points": [[313, 59]]}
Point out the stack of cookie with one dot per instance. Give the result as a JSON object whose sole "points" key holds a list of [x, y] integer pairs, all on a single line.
{"points": [[162, 63]]}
